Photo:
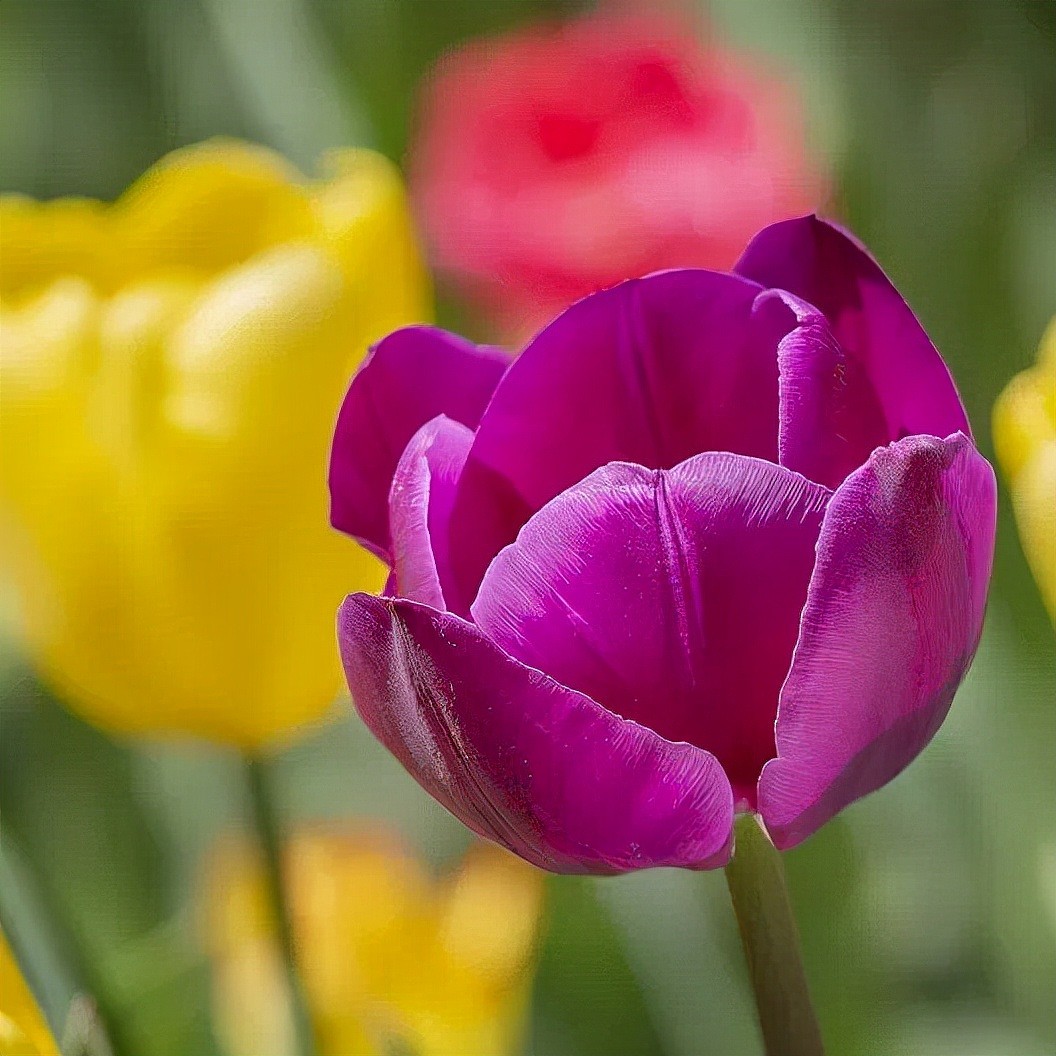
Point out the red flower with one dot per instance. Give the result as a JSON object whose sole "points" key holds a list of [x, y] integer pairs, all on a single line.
{"points": [[557, 161]]}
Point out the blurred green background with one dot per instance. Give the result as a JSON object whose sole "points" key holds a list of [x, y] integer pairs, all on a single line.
{"points": [[929, 910]]}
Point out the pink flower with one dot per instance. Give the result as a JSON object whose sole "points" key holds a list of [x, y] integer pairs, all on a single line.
{"points": [[557, 161], [712, 543]]}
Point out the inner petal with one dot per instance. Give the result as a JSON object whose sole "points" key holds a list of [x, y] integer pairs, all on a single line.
{"points": [[672, 597], [881, 340], [651, 371], [830, 415]]}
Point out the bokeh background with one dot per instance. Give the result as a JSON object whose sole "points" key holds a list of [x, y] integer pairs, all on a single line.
{"points": [[928, 911]]}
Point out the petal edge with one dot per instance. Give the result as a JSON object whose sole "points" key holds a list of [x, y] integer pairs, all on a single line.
{"points": [[825, 265], [892, 621], [522, 760], [409, 378]]}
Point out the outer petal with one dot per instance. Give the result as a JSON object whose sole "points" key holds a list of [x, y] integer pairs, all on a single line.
{"points": [[892, 621], [409, 378], [522, 760], [671, 597], [878, 331], [420, 509], [651, 371]]}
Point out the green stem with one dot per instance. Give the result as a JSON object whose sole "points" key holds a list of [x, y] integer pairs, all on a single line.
{"points": [[266, 828], [756, 878]]}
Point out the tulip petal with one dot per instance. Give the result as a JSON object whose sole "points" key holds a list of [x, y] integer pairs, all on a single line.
{"points": [[423, 490], [45, 242], [651, 371], [892, 621], [210, 206], [409, 378], [883, 363], [830, 419], [1032, 491], [520, 759], [671, 597]]}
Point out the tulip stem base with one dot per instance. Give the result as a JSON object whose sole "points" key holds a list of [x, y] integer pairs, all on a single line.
{"points": [[267, 831], [756, 878]]}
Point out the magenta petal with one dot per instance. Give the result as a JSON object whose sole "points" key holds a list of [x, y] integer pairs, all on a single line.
{"points": [[410, 377], [420, 509], [671, 597], [830, 417], [892, 621], [822, 264], [651, 371], [522, 760]]}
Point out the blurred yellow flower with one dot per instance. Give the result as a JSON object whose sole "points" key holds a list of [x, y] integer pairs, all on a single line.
{"points": [[170, 369], [389, 956], [23, 1031], [1025, 437]]}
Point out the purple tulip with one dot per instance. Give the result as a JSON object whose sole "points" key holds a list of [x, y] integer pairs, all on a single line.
{"points": [[712, 543]]}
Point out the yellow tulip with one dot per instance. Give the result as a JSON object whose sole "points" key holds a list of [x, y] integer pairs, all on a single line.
{"points": [[170, 369], [388, 956], [1025, 437], [23, 1031]]}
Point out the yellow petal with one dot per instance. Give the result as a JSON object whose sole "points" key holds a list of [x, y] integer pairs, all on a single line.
{"points": [[47, 344], [23, 1031], [47, 473], [487, 931], [48, 347], [209, 207], [376, 939], [1024, 424], [249, 365], [361, 902], [363, 216], [250, 1011], [1047, 349], [490, 920], [1024, 418], [131, 375], [1034, 502], [44, 241]]}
